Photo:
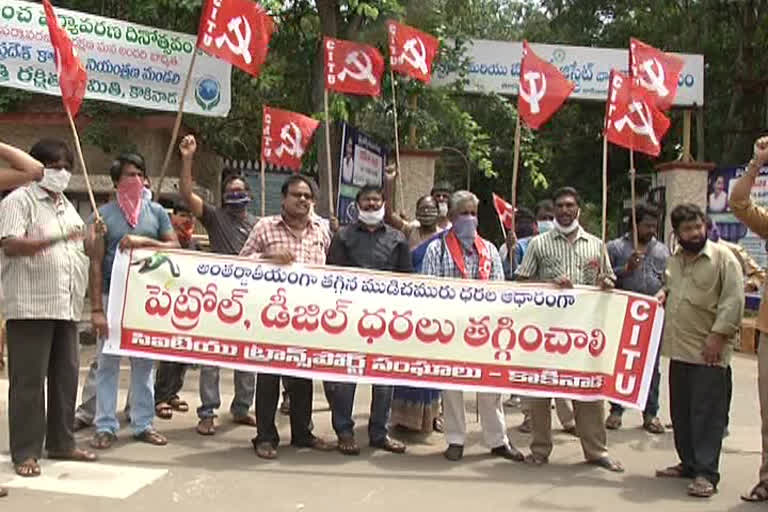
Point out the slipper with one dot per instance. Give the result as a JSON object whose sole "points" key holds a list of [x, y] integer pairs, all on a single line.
{"points": [[206, 427], [164, 411], [672, 472], [758, 493], [151, 436], [102, 440], [264, 450], [246, 420], [177, 404], [76, 455], [28, 468], [608, 463], [702, 488]]}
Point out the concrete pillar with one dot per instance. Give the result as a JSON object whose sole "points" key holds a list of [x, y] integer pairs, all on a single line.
{"points": [[684, 182], [418, 176]]}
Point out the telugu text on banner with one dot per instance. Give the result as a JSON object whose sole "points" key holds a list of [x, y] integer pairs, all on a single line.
{"points": [[126, 63], [353, 325]]}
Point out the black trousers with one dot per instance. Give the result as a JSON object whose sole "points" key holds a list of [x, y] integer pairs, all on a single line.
{"points": [[40, 350], [267, 395], [169, 379], [698, 404]]}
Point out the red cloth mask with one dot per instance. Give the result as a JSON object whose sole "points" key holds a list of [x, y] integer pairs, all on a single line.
{"points": [[129, 198]]}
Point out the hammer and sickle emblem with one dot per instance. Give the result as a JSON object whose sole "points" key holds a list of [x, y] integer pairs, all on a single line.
{"points": [[415, 54], [654, 72], [291, 141], [363, 68], [243, 40], [646, 120], [534, 94]]}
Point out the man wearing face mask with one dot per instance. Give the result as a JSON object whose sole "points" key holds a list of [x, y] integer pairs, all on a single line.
{"points": [[228, 228], [44, 279], [568, 256], [461, 253], [441, 192], [370, 244], [704, 299], [130, 222]]}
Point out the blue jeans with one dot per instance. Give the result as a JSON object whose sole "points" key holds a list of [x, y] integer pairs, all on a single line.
{"points": [[141, 392], [652, 405], [245, 386], [341, 397]]}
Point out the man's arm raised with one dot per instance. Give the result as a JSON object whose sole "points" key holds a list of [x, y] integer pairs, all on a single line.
{"points": [[187, 148]]}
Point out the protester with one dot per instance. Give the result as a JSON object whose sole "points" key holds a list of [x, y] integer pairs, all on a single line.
{"points": [[568, 256], [420, 237], [287, 238], [370, 244], [228, 228], [461, 253], [525, 229], [441, 192], [704, 298], [545, 215], [756, 219], [130, 222], [44, 279], [640, 269]]}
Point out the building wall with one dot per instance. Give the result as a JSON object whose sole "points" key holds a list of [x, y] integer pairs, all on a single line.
{"points": [[684, 183]]}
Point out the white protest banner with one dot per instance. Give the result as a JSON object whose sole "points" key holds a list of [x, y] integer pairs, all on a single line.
{"points": [[354, 325], [126, 63], [494, 67]]}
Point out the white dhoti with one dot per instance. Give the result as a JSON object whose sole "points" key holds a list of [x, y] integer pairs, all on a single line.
{"points": [[491, 418]]}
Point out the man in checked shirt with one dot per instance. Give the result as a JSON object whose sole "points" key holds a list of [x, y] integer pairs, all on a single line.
{"points": [[289, 237]]}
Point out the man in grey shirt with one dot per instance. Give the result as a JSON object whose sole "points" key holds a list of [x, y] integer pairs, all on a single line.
{"points": [[228, 228]]}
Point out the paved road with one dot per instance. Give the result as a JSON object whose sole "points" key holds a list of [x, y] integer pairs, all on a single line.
{"points": [[194, 473]]}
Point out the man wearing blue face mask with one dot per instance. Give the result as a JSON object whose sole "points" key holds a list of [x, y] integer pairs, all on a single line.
{"points": [[461, 253], [228, 228]]}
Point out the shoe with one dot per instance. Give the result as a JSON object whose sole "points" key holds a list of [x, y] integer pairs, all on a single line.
{"points": [[388, 444], [613, 422], [508, 452], [454, 452]]}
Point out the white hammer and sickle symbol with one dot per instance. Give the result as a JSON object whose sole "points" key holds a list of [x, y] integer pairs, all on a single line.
{"points": [[644, 113], [415, 54], [243, 40], [535, 95], [364, 66], [655, 73], [291, 141]]}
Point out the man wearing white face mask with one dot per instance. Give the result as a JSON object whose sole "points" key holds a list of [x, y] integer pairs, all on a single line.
{"points": [[461, 253], [371, 244], [568, 256]]}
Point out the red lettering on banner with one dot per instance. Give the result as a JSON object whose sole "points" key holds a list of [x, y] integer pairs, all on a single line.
{"points": [[504, 331], [372, 325], [227, 312], [276, 313], [405, 329], [478, 332], [334, 321], [527, 344], [633, 349], [431, 330], [305, 318], [208, 298], [153, 306], [186, 311]]}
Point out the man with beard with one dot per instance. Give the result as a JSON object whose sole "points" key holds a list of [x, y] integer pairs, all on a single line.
{"points": [[568, 256], [462, 254], [289, 237], [704, 299], [228, 228], [640, 269]]}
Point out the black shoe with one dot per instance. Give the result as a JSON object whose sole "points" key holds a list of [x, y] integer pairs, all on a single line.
{"points": [[508, 452], [454, 452]]}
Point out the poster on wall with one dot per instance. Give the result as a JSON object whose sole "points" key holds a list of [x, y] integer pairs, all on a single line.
{"points": [[721, 181], [361, 162]]}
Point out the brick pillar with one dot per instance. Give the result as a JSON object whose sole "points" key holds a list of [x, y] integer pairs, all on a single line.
{"points": [[418, 176], [684, 182]]}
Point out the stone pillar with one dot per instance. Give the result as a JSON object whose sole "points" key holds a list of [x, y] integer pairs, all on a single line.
{"points": [[684, 182], [418, 176]]}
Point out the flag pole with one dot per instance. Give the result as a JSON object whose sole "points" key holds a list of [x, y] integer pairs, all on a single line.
{"points": [[632, 174], [263, 188], [515, 166], [605, 202], [81, 160], [176, 124], [331, 211], [397, 144]]}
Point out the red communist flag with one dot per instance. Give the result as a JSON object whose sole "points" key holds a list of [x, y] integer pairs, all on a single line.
{"points": [[352, 68], [632, 119], [656, 71], [237, 31], [542, 91], [285, 137], [411, 51], [505, 211], [72, 75]]}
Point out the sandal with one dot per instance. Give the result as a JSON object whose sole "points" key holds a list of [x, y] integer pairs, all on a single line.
{"points": [[536, 460], [264, 450], [316, 443], [164, 411], [177, 404], [76, 455], [702, 488], [388, 445], [151, 436], [613, 422], [677, 471], [758, 493], [608, 463], [28, 468], [206, 427], [102, 440], [348, 446], [246, 420], [438, 425], [653, 426]]}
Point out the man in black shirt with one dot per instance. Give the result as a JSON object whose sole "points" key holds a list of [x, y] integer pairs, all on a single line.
{"points": [[369, 243]]}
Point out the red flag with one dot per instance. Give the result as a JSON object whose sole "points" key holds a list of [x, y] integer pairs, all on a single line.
{"points": [[352, 68], [632, 120], [237, 31], [656, 71], [504, 210], [285, 137], [411, 51], [542, 91], [72, 75]]}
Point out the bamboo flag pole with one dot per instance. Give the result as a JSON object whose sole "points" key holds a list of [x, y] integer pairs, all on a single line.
{"points": [[263, 188], [399, 175], [331, 211], [605, 203], [176, 125], [632, 173], [80, 158], [515, 167]]}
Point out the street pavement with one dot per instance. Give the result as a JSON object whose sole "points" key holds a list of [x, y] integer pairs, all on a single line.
{"points": [[195, 473]]}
